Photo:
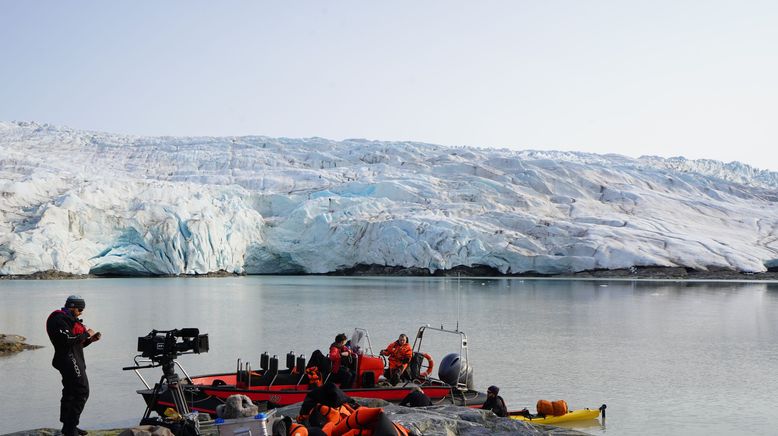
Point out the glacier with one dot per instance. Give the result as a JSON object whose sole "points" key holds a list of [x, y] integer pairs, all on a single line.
{"points": [[84, 202]]}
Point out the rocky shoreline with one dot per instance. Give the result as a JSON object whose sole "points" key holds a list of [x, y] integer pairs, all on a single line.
{"points": [[644, 273], [10, 344], [421, 421], [649, 272]]}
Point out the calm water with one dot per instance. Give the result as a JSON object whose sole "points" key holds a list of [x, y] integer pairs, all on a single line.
{"points": [[667, 357]]}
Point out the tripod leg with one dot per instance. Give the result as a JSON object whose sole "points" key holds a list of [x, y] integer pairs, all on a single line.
{"points": [[178, 399], [154, 398]]}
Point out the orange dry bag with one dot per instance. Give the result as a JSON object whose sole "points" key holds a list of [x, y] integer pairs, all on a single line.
{"points": [[545, 408], [560, 407]]}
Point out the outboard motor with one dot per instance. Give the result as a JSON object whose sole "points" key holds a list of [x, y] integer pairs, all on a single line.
{"points": [[451, 372]]}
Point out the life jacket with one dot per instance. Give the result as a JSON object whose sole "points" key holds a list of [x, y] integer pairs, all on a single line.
{"points": [[366, 421], [77, 328], [297, 430], [314, 379], [333, 416]]}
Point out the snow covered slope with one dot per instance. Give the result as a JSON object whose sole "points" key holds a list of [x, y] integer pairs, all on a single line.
{"points": [[83, 202]]}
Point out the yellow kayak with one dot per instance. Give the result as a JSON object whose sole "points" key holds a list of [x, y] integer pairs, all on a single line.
{"points": [[575, 415]]}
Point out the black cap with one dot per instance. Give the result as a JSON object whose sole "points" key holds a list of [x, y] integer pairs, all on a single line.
{"points": [[75, 301], [493, 389]]}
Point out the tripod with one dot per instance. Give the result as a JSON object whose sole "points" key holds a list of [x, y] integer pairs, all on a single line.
{"points": [[190, 425], [168, 375]]}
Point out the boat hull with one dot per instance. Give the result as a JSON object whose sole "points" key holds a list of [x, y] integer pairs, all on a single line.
{"points": [[203, 395], [575, 415]]}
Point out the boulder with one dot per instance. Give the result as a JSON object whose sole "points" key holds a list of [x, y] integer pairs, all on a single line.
{"points": [[147, 430], [14, 344], [237, 406]]}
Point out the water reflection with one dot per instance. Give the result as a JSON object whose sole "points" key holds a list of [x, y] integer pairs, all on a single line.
{"points": [[638, 346]]}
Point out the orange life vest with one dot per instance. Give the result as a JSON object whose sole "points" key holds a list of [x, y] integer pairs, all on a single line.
{"points": [[297, 430], [314, 379], [363, 421]]}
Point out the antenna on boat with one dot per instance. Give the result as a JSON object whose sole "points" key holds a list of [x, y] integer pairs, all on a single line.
{"points": [[459, 293]]}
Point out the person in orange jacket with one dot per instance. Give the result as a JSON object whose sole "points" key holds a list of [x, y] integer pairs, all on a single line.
{"points": [[399, 353]]}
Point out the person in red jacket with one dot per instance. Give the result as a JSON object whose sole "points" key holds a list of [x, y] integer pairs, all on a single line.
{"points": [[342, 357], [399, 353], [69, 337]]}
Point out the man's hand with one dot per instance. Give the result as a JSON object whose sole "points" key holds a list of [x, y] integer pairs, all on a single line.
{"points": [[90, 332], [96, 337]]}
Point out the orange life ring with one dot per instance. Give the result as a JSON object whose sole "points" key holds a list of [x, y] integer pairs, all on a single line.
{"points": [[430, 364]]}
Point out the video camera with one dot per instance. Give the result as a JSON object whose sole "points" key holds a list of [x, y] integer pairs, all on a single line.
{"points": [[169, 344]]}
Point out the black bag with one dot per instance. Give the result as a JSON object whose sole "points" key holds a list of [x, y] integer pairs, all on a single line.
{"points": [[415, 366]]}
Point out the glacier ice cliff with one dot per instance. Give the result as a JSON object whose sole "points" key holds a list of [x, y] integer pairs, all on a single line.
{"points": [[86, 202]]}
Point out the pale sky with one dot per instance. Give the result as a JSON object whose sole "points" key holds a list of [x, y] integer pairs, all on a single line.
{"points": [[670, 78]]}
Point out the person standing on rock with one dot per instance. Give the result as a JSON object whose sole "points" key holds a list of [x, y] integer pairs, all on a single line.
{"points": [[69, 337]]}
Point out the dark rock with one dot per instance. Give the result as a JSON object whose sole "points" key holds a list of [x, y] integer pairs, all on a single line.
{"points": [[147, 430], [639, 272], [45, 275], [14, 344]]}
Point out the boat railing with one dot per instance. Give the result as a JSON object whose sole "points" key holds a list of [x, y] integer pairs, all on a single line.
{"points": [[460, 385]]}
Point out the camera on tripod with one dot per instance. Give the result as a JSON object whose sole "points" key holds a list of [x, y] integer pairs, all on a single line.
{"points": [[162, 347], [169, 344]]}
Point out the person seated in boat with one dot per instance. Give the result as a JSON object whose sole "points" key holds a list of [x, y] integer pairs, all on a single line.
{"points": [[329, 395], [417, 398], [494, 402], [399, 353], [342, 357]]}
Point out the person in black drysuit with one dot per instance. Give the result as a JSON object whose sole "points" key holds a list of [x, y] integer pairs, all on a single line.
{"points": [[69, 337], [494, 402], [417, 398], [329, 395]]}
